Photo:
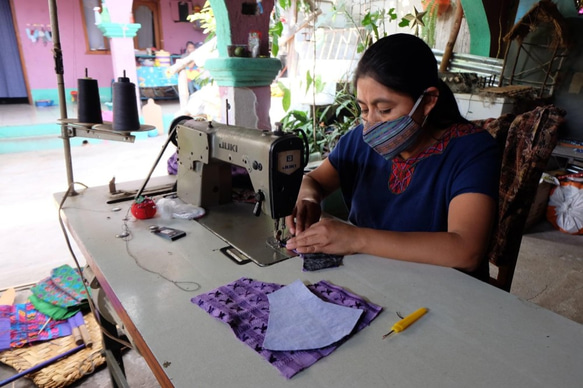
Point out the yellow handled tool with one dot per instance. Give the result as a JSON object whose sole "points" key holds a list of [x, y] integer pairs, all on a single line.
{"points": [[406, 322]]}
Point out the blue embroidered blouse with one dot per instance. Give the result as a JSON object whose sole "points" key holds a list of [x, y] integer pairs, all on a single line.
{"points": [[414, 194]]}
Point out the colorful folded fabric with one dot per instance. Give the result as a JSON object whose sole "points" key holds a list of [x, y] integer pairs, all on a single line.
{"points": [[244, 306], [27, 325], [53, 311], [64, 288]]}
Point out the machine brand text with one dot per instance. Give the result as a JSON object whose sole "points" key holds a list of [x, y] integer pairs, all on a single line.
{"points": [[228, 146]]}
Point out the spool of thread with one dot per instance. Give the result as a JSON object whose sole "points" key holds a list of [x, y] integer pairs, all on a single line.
{"points": [[125, 108], [88, 103]]}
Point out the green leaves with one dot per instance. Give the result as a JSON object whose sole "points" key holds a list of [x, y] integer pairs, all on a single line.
{"points": [[275, 31], [286, 99], [316, 82]]}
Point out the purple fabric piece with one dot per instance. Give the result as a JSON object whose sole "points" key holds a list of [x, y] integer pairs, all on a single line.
{"points": [[76, 320], [4, 329], [244, 306], [172, 164]]}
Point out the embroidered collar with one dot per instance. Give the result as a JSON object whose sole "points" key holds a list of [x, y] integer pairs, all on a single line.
{"points": [[402, 170]]}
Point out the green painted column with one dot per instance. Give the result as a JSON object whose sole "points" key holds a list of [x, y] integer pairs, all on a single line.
{"points": [[477, 20], [223, 30], [243, 72], [244, 82], [119, 30]]}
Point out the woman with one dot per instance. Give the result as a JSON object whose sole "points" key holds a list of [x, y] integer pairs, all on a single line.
{"points": [[420, 181]]}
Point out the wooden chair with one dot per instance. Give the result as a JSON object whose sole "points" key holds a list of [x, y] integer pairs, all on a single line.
{"points": [[527, 141]]}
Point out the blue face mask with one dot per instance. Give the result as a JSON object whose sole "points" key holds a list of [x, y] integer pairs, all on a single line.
{"points": [[390, 138]]}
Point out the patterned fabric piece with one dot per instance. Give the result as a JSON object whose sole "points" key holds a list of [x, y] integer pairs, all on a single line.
{"points": [[317, 261], [53, 311], [390, 138], [402, 170], [69, 280], [244, 306], [63, 288], [28, 325], [529, 141]]}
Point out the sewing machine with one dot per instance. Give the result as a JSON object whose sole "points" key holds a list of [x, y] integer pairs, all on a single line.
{"points": [[275, 164]]}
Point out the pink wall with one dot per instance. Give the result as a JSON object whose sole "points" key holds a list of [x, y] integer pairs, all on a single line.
{"points": [[175, 35], [38, 59]]}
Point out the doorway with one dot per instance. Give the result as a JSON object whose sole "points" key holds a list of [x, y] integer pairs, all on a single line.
{"points": [[150, 34], [12, 84]]}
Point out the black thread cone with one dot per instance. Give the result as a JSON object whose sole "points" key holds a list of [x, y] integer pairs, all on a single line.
{"points": [[125, 108], [88, 103]]}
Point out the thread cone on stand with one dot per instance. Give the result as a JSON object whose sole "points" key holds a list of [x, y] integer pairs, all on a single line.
{"points": [[88, 102], [125, 109]]}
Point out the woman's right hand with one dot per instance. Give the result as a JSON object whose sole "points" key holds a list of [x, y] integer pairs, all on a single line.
{"points": [[316, 185], [306, 212]]}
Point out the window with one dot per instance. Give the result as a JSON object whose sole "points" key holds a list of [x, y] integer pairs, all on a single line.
{"points": [[96, 42]]}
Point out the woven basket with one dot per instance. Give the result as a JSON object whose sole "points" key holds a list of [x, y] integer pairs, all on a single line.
{"points": [[62, 372]]}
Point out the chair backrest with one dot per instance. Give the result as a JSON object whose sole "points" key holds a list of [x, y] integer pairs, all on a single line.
{"points": [[527, 141]]}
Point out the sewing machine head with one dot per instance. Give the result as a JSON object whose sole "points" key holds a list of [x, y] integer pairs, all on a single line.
{"points": [[207, 151]]}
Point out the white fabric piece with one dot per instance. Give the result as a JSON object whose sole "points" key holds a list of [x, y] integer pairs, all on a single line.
{"points": [[568, 203], [299, 320]]}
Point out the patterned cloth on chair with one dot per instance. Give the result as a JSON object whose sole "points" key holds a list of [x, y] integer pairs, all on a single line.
{"points": [[528, 141]]}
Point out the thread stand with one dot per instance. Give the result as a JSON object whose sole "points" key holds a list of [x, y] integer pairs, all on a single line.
{"points": [[94, 131]]}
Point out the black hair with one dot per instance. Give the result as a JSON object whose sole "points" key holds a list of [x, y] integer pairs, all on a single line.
{"points": [[190, 42], [405, 64]]}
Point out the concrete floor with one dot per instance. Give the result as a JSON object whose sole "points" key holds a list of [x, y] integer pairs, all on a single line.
{"points": [[549, 271]]}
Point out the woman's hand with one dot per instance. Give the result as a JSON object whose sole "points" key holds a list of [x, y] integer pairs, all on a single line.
{"points": [[327, 236], [306, 213], [316, 185]]}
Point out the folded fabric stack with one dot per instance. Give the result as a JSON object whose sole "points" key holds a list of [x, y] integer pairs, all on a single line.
{"points": [[48, 314], [60, 295]]}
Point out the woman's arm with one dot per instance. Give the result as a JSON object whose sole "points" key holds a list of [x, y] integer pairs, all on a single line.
{"points": [[463, 246], [316, 185]]}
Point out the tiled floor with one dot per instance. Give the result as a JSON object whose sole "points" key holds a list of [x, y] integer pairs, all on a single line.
{"points": [[549, 271], [22, 114]]}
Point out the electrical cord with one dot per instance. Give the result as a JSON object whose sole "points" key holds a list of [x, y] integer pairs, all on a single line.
{"points": [[127, 237], [89, 300]]}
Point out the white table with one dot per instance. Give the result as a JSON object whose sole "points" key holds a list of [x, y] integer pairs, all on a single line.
{"points": [[474, 335]]}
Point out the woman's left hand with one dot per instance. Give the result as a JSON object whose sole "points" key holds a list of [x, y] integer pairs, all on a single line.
{"points": [[326, 236]]}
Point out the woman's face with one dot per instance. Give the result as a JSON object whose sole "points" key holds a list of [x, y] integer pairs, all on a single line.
{"points": [[379, 103]]}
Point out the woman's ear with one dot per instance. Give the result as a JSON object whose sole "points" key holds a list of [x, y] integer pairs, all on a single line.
{"points": [[431, 97]]}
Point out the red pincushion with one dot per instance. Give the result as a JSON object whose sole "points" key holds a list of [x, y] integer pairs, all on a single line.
{"points": [[144, 208]]}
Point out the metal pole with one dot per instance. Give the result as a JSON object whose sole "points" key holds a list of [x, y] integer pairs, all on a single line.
{"points": [[59, 70]]}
